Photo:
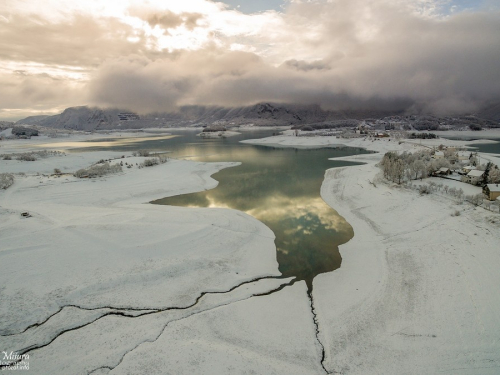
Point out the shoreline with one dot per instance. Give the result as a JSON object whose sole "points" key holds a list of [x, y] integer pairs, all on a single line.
{"points": [[411, 275], [105, 232]]}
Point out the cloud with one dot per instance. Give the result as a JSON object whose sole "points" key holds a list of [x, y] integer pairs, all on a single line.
{"points": [[306, 66], [80, 40], [400, 60], [342, 54], [38, 93], [170, 20]]}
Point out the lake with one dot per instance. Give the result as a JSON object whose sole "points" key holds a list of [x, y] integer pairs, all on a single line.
{"points": [[278, 186], [491, 148]]}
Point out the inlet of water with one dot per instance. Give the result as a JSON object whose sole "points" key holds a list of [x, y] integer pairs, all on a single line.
{"points": [[278, 186]]}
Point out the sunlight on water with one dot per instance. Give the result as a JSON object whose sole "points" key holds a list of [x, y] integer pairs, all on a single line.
{"points": [[278, 186]]}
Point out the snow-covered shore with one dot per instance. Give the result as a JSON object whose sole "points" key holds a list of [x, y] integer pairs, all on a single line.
{"points": [[417, 289], [94, 250], [128, 286]]}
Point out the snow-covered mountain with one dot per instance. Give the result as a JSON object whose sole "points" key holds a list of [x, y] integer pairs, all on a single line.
{"points": [[263, 114]]}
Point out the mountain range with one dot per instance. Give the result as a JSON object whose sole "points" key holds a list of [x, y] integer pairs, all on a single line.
{"points": [[262, 114]]}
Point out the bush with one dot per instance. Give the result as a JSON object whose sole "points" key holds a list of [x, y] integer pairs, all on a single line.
{"points": [[98, 170], [424, 189], [6, 180], [143, 153], [21, 130], [162, 159], [422, 136], [159, 159], [26, 157], [150, 162], [32, 156], [476, 200]]}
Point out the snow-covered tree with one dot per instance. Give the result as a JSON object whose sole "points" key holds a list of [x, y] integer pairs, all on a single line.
{"points": [[418, 168], [494, 175]]}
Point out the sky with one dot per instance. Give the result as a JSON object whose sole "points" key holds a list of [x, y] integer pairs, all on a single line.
{"points": [[432, 56]]}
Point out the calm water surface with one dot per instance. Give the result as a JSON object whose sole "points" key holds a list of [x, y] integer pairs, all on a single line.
{"points": [[492, 148], [278, 186]]}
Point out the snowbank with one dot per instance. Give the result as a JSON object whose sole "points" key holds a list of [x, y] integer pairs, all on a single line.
{"points": [[417, 285], [264, 335], [417, 289], [95, 246], [99, 281], [377, 144], [104, 236]]}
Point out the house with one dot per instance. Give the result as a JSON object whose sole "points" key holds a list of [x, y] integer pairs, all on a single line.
{"points": [[474, 177], [443, 172], [492, 191], [438, 155], [464, 155], [467, 169]]}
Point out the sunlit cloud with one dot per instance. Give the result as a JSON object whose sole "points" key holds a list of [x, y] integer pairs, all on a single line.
{"points": [[426, 55]]}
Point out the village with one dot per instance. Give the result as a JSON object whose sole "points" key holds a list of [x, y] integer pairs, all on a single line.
{"points": [[456, 167], [453, 163]]}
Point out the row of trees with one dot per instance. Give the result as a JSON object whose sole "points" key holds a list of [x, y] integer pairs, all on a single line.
{"points": [[98, 170], [410, 166], [432, 187], [458, 195]]}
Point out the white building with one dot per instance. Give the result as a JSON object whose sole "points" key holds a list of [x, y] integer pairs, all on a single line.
{"points": [[474, 177], [468, 168], [463, 155]]}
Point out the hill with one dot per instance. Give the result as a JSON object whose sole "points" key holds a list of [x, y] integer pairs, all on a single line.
{"points": [[262, 114]]}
